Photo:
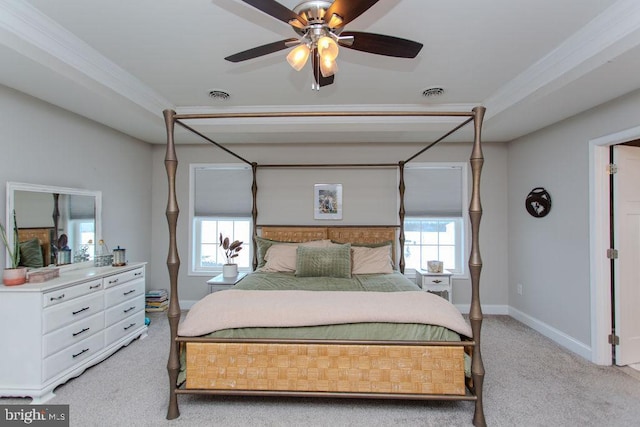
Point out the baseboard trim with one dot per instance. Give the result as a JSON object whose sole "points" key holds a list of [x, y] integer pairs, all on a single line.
{"points": [[552, 333], [486, 309]]}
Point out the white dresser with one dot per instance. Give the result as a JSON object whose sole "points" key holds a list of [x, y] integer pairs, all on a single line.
{"points": [[53, 331]]}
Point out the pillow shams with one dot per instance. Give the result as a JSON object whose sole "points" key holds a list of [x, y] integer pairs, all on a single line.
{"points": [[372, 260], [332, 261], [280, 256]]}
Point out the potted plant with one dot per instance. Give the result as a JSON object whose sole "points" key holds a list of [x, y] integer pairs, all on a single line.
{"points": [[231, 249], [14, 275]]}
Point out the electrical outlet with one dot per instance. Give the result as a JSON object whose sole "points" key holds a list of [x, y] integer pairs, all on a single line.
{"points": [[519, 288]]}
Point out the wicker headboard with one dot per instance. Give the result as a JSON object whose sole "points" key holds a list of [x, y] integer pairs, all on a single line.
{"points": [[351, 234]]}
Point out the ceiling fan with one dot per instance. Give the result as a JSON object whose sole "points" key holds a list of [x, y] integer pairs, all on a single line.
{"points": [[319, 25]]}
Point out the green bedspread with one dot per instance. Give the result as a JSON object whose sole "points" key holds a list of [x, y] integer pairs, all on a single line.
{"points": [[362, 282], [394, 282]]}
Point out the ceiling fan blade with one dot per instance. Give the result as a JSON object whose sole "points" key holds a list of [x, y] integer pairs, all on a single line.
{"points": [[348, 10], [261, 50], [382, 45], [275, 9], [317, 75]]}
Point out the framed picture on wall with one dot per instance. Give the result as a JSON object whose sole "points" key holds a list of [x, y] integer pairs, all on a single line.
{"points": [[327, 202]]}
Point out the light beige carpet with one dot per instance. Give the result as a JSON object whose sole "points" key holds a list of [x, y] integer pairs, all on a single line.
{"points": [[530, 381]]}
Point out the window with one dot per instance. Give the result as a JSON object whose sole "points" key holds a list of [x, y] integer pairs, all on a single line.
{"points": [[434, 239], [81, 234], [435, 218], [208, 255], [220, 202]]}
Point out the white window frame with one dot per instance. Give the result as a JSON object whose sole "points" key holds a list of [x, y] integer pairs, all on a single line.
{"points": [[75, 235], [194, 240], [462, 272], [459, 245], [196, 250]]}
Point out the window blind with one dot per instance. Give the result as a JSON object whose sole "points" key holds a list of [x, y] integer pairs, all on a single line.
{"points": [[433, 191], [222, 191], [81, 207]]}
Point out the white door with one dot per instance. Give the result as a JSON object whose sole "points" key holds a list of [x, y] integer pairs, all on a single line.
{"points": [[627, 241]]}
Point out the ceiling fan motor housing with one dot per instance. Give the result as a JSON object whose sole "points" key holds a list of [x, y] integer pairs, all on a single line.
{"points": [[313, 11]]}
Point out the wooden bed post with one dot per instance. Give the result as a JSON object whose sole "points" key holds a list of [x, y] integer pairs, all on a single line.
{"points": [[401, 188], [475, 266], [173, 264], [254, 213]]}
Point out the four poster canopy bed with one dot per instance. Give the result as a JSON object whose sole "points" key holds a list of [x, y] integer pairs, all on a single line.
{"points": [[327, 311]]}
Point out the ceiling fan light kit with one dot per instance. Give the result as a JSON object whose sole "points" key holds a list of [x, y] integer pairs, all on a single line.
{"points": [[319, 26], [298, 57]]}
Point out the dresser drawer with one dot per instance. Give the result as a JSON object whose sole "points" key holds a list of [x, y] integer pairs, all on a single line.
{"points": [[64, 337], [72, 311], [73, 355], [66, 294], [122, 293], [444, 281], [124, 327], [125, 276], [123, 310]]}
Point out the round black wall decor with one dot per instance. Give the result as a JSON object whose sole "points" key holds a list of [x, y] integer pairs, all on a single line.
{"points": [[538, 202]]}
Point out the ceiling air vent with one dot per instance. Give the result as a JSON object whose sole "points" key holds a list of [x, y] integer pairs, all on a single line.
{"points": [[432, 91], [219, 95]]}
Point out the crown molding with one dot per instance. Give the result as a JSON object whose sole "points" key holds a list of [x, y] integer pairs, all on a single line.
{"points": [[607, 36], [28, 31]]}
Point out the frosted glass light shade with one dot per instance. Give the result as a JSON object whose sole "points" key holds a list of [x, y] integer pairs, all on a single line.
{"points": [[298, 57], [328, 67], [327, 48]]}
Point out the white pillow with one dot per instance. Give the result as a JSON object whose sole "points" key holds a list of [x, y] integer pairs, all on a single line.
{"points": [[371, 260], [281, 257]]}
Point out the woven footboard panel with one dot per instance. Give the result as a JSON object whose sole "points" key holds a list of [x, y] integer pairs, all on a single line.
{"points": [[326, 368]]}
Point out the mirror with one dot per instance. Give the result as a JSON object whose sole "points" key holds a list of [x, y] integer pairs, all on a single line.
{"points": [[63, 222]]}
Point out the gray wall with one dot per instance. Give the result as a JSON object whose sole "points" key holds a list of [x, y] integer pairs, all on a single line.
{"points": [[550, 256], [43, 144], [494, 190]]}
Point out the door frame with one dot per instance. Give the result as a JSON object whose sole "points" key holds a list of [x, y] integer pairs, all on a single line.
{"points": [[600, 265]]}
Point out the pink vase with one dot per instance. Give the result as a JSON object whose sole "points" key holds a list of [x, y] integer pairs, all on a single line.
{"points": [[14, 276]]}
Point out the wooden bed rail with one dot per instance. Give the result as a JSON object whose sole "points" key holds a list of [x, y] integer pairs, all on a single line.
{"points": [[475, 260]]}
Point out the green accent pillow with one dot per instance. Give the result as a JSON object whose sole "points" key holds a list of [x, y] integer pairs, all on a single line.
{"points": [[31, 253], [263, 245], [332, 261]]}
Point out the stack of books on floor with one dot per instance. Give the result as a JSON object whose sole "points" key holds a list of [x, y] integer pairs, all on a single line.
{"points": [[156, 300]]}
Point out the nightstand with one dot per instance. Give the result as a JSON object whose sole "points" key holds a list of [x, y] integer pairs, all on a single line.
{"points": [[220, 282], [437, 283]]}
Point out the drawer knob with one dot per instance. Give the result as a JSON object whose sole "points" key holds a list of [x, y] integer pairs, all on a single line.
{"points": [[57, 298], [95, 286], [437, 281], [80, 332], [129, 292], [113, 281], [130, 326], [78, 354], [129, 309], [80, 311], [138, 273]]}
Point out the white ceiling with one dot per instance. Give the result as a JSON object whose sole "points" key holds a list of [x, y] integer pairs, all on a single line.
{"points": [[122, 62]]}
